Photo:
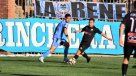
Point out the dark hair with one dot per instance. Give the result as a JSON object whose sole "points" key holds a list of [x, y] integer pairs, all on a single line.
{"points": [[91, 19], [134, 4], [67, 15]]}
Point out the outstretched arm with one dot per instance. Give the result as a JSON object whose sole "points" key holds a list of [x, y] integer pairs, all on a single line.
{"points": [[76, 31], [106, 36]]}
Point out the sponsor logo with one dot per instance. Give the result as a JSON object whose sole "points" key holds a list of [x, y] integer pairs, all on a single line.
{"points": [[131, 38]]}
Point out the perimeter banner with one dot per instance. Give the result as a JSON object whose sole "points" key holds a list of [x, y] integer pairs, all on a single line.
{"points": [[35, 35]]}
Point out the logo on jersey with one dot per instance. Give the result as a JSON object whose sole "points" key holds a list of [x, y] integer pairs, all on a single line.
{"points": [[91, 29], [132, 38], [87, 33]]}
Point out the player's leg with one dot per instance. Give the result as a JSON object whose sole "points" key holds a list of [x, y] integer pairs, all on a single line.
{"points": [[127, 52], [81, 50], [48, 52], [86, 56], [77, 54], [66, 45]]}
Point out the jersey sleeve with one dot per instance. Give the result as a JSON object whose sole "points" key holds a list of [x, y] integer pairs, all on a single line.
{"points": [[66, 25], [83, 29], [125, 19], [98, 31]]}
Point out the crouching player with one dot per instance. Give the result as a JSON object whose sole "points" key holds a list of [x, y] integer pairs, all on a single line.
{"points": [[57, 39], [89, 33]]}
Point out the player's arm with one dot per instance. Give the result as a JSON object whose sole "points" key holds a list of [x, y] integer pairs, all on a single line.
{"points": [[76, 31], [122, 28], [100, 32], [106, 36], [66, 33]]}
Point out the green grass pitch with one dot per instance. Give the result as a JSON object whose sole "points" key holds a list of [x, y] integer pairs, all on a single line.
{"points": [[53, 66]]}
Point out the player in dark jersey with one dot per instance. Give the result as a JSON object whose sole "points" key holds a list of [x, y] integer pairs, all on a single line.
{"points": [[89, 33], [128, 26]]}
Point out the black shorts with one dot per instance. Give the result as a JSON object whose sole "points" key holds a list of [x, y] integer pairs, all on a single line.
{"points": [[128, 49], [83, 46]]}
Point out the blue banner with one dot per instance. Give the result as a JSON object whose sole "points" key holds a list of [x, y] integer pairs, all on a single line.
{"points": [[35, 35]]}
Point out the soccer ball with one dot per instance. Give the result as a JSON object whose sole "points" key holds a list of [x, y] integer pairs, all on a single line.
{"points": [[72, 61]]}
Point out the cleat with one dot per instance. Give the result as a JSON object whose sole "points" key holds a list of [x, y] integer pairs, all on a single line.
{"points": [[66, 60], [49, 55], [88, 59], [124, 75], [41, 59]]}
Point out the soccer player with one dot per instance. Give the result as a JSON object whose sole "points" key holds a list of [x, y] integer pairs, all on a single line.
{"points": [[58, 40], [128, 26], [89, 33]]}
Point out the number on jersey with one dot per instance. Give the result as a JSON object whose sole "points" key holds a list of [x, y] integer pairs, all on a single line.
{"points": [[133, 24]]}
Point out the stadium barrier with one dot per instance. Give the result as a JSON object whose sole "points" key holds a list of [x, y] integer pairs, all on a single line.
{"points": [[35, 35]]}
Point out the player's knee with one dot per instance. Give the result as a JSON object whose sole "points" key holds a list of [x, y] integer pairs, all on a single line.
{"points": [[126, 60], [81, 51], [78, 52], [67, 45]]}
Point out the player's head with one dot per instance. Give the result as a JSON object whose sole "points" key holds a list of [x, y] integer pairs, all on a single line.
{"points": [[67, 18], [135, 5], [91, 22]]}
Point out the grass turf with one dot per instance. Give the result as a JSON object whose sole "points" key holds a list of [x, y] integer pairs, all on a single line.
{"points": [[30, 66]]}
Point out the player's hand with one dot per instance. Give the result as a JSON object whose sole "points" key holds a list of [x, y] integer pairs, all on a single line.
{"points": [[110, 39], [121, 43], [75, 31]]}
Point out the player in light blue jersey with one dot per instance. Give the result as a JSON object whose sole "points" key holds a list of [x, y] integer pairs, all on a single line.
{"points": [[58, 40]]}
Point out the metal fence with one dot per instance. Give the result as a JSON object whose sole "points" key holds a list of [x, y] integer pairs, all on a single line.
{"points": [[24, 8]]}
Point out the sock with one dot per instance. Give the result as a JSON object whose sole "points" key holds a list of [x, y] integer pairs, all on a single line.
{"points": [[65, 53], [66, 44], [85, 55], [46, 54], [76, 57], [124, 69]]}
